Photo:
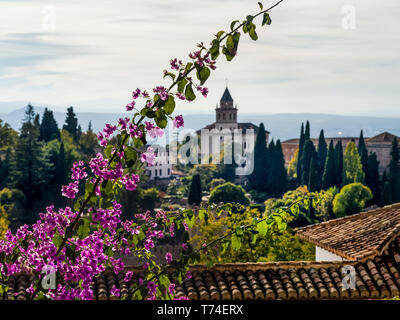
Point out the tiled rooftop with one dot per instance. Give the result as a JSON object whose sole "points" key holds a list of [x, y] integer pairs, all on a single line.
{"points": [[375, 278], [356, 237]]}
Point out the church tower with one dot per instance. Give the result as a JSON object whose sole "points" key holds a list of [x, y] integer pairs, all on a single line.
{"points": [[226, 113]]}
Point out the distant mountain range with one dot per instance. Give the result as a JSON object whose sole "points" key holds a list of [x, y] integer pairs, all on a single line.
{"points": [[281, 126]]}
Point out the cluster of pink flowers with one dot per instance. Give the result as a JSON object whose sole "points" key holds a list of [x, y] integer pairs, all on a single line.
{"points": [[203, 60], [203, 90], [153, 131], [148, 156], [178, 121], [162, 92]]}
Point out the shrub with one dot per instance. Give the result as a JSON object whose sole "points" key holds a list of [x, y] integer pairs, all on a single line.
{"points": [[229, 193], [351, 199]]}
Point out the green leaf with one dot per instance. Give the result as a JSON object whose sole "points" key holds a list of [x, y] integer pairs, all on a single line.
{"points": [[170, 74], [83, 228], [181, 85], [148, 112], [233, 24], [219, 34], [106, 189], [249, 18], [164, 281], [231, 47], [266, 19], [108, 151], [261, 6], [57, 240], [262, 227], [130, 156], [214, 50], [161, 119], [169, 106], [252, 32], [236, 243], [189, 94], [203, 73], [189, 66]]}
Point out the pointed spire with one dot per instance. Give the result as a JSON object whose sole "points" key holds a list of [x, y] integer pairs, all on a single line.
{"points": [[226, 100]]}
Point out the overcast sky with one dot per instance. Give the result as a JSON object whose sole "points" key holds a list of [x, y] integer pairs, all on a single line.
{"points": [[92, 53]]}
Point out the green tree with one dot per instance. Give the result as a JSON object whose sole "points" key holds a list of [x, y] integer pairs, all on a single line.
{"points": [[49, 128], [88, 144], [386, 197], [71, 123], [278, 179], [361, 143], [301, 145], [259, 177], [351, 199], [8, 136], [307, 132], [291, 171], [372, 177], [313, 177], [329, 177], [30, 166], [339, 163], [352, 167], [309, 153], [394, 171], [229, 193], [321, 159], [149, 200], [195, 193], [61, 167], [5, 166]]}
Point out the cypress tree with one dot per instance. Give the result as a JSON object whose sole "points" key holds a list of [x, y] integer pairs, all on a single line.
{"points": [[195, 191], [61, 167], [313, 179], [394, 171], [321, 159], [49, 128], [372, 177], [361, 143], [307, 131], [259, 177], [301, 144], [79, 132], [363, 152], [71, 123], [90, 127], [339, 163], [308, 154], [386, 197], [278, 177], [329, 177]]}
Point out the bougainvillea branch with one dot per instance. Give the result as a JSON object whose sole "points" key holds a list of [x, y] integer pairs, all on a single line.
{"points": [[77, 244]]}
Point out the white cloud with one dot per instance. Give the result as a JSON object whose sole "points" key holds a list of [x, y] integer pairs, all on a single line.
{"points": [[304, 62]]}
